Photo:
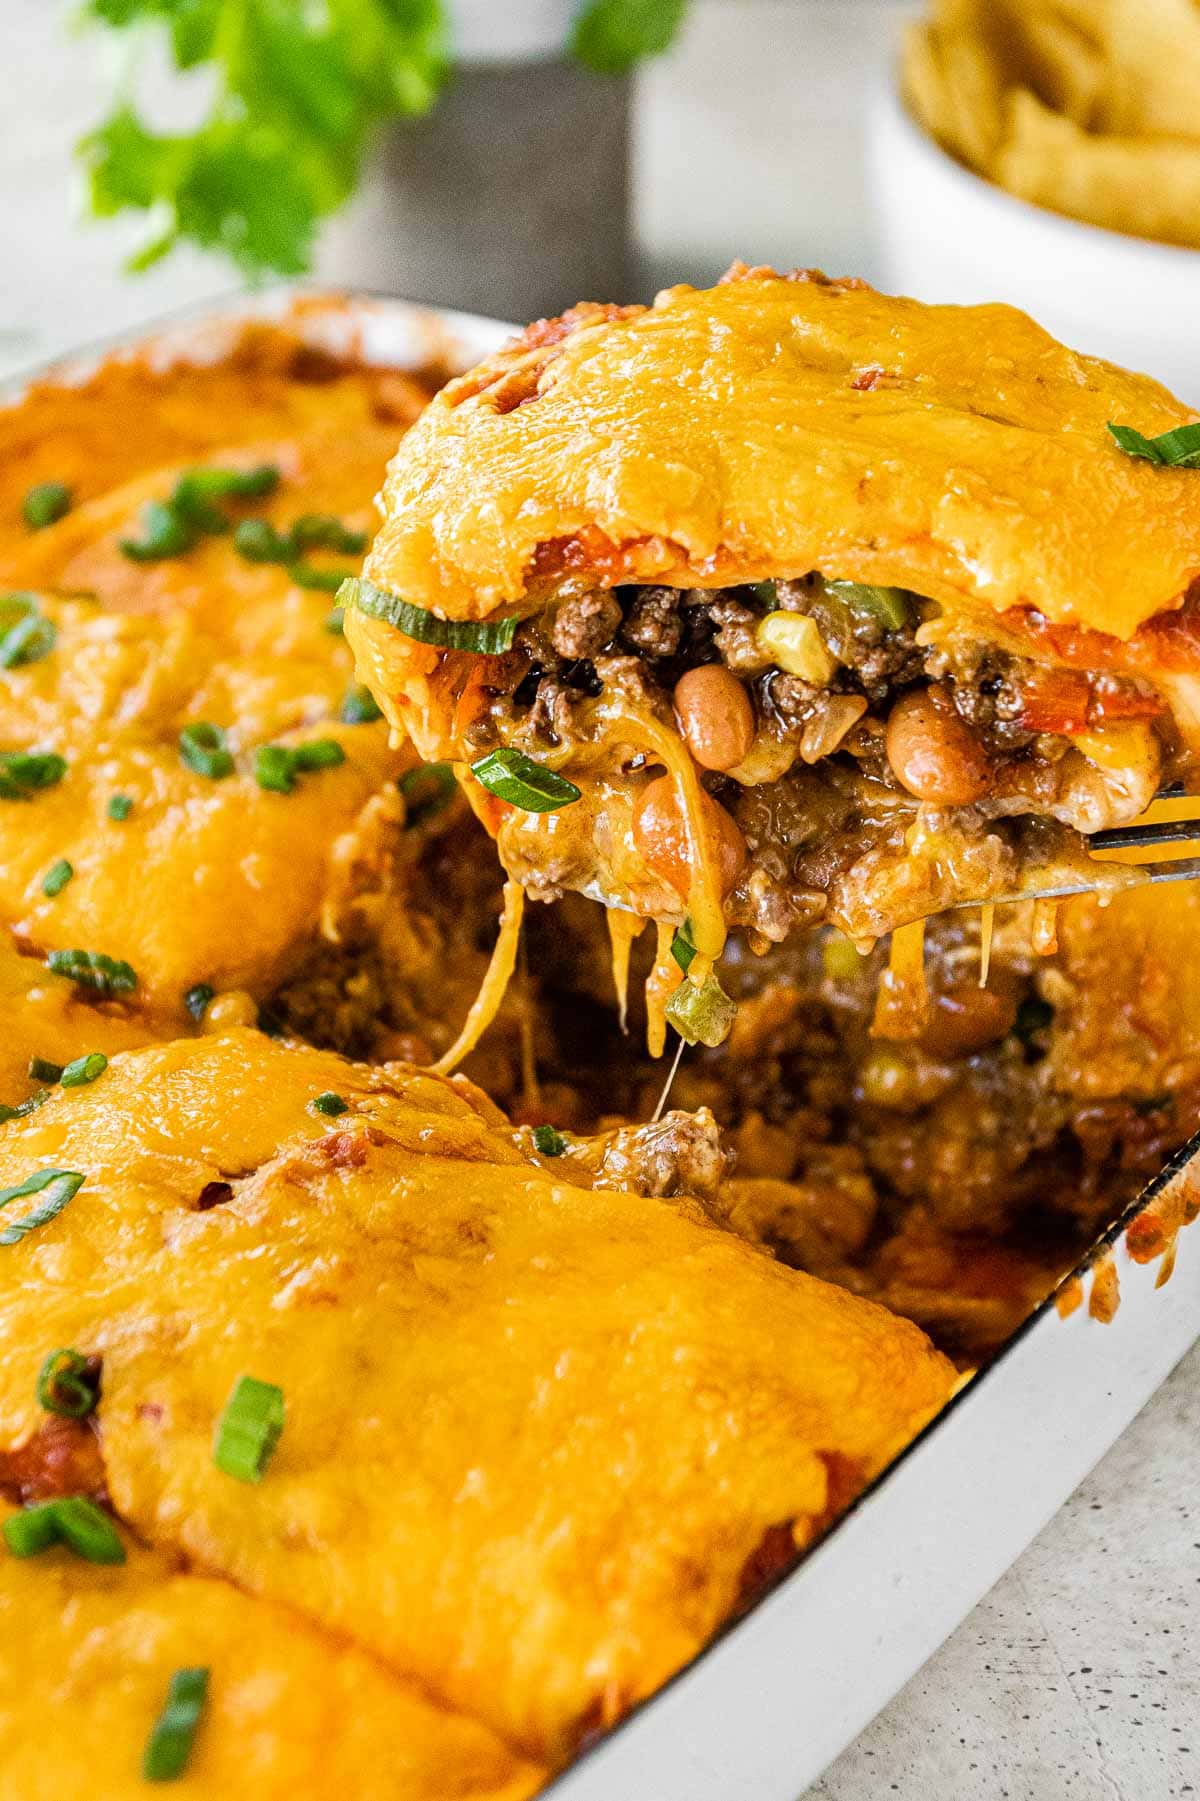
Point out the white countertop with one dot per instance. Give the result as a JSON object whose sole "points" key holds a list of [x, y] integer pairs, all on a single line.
{"points": [[1077, 1678]]}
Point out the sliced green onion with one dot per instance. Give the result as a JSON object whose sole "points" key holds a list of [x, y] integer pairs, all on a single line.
{"points": [[307, 575], [512, 776], [32, 1531], [25, 773], [318, 753], [42, 1070], [330, 1105], [892, 607], [165, 533], [203, 748], [92, 969], [82, 1070], [26, 635], [169, 1747], [259, 542], [66, 1385], [58, 1185], [199, 488], [701, 1015], [57, 877], [325, 531], [274, 768], [249, 1429], [766, 593], [683, 946], [120, 806], [359, 707], [171, 527], [46, 504], [549, 1142], [87, 1530], [197, 999], [488, 637], [1177, 449], [29, 1105]]}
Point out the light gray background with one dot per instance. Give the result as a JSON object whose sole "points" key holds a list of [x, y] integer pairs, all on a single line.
{"points": [[1077, 1678]]}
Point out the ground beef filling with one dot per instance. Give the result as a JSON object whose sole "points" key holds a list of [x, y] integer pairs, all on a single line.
{"points": [[825, 726]]}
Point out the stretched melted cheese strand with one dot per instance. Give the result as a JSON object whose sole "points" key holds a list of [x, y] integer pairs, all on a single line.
{"points": [[902, 1003], [492, 989], [1043, 927], [623, 928], [987, 925], [705, 901], [661, 984]]}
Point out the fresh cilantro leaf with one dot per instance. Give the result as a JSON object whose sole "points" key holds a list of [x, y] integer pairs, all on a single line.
{"points": [[609, 36]]}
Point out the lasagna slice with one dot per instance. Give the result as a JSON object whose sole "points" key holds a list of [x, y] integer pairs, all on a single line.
{"points": [[791, 602]]}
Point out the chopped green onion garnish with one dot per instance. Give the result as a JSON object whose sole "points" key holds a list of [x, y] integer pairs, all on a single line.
{"points": [[276, 766], [549, 1142], [330, 1105], [29, 1533], [66, 1384], [1178, 449], [169, 1747], [307, 575], [249, 1429], [258, 541], [73, 1521], [57, 877], [318, 753], [203, 748], [197, 999], [42, 1070], [88, 1531], [274, 769], [701, 1015], [890, 606], [172, 527], [488, 637], [512, 776], [24, 773], [29, 1105], [359, 707], [92, 969], [26, 636], [82, 1070], [165, 533], [46, 504], [120, 806], [683, 946], [58, 1185], [766, 593], [325, 531], [261, 542]]}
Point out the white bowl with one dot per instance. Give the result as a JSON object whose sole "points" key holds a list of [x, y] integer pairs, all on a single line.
{"points": [[946, 234]]}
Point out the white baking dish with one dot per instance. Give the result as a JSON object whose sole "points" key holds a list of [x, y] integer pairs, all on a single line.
{"points": [[768, 1706]]}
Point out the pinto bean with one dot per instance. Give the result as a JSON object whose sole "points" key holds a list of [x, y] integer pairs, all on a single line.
{"points": [[660, 834], [967, 1017], [715, 716], [934, 753]]}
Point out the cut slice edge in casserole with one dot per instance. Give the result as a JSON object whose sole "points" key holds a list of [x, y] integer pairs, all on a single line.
{"points": [[789, 602]]}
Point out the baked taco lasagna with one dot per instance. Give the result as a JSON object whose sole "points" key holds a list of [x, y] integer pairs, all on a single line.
{"points": [[790, 602]]}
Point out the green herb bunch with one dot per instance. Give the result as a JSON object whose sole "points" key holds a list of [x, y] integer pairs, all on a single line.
{"points": [[299, 87]]}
